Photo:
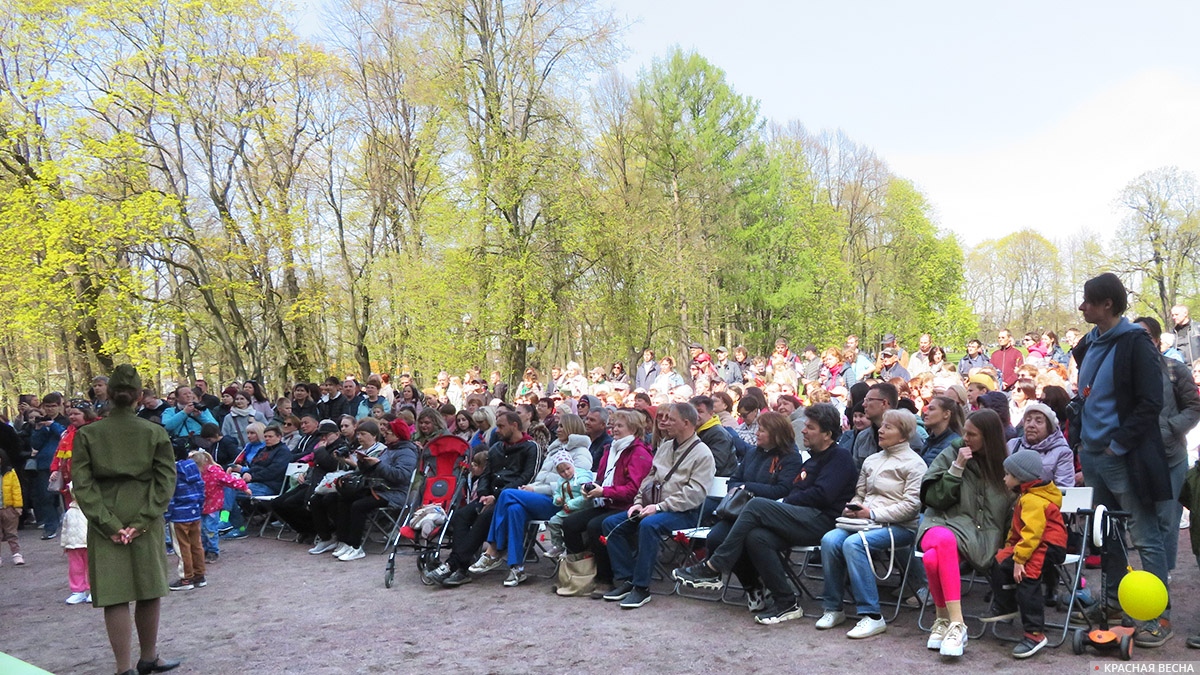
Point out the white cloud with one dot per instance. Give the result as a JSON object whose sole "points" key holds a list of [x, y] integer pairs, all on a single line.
{"points": [[1066, 176]]}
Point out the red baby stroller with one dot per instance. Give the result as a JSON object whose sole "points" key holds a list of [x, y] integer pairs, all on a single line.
{"points": [[441, 476]]}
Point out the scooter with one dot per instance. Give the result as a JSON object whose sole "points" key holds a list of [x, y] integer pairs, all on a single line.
{"points": [[1105, 639]]}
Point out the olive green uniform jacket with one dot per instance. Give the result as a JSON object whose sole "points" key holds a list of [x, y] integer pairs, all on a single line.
{"points": [[977, 512], [124, 473]]}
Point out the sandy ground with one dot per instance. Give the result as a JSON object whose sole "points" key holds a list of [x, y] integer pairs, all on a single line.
{"points": [[271, 608]]}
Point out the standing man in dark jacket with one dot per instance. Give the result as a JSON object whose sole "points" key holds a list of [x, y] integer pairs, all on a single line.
{"points": [[1187, 338], [1120, 444], [1180, 413], [511, 463]]}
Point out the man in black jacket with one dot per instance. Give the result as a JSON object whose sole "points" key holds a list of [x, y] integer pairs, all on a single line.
{"points": [[1119, 441], [511, 464]]}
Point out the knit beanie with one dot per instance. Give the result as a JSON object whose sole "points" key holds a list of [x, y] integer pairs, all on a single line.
{"points": [[1024, 465], [1045, 410], [562, 457]]}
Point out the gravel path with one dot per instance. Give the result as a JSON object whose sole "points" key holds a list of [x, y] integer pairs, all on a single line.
{"points": [[271, 608]]}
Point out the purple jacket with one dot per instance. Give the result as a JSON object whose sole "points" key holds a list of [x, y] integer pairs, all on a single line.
{"points": [[1058, 462]]}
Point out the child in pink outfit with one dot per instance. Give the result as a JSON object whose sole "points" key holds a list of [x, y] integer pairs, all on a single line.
{"points": [[73, 537], [215, 480]]}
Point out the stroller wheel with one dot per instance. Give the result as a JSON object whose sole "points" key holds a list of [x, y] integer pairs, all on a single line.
{"points": [[389, 575], [1077, 641]]}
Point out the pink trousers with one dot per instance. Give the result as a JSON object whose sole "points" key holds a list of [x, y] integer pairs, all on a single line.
{"points": [[940, 549], [77, 570]]}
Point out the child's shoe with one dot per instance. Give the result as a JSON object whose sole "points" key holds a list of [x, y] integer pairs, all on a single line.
{"points": [[210, 557], [1029, 645], [79, 598], [555, 552], [18, 559]]}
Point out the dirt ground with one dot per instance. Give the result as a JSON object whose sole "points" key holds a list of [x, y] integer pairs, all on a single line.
{"points": [[271, 608]]}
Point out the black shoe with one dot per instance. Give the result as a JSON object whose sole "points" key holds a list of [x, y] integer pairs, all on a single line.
{"points": [[199, 581], [1028, 646], [456, 578], [156, 666], [619, 592], [210, 558], [636, 598], [1152, 634], [699, 575], [780, 611], [49, 535], [181, 585]]}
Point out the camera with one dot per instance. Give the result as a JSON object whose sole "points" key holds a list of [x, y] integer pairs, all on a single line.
{"points": [[588, 487]]}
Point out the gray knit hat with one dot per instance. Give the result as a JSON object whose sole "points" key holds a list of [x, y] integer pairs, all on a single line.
{"points": [[1024, 465]]}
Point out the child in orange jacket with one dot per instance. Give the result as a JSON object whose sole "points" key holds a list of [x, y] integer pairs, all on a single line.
{"points": [[1036, 542]]}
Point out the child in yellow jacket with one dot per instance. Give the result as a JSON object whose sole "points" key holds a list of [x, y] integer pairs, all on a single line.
{"points": [[11, 503], [1036, 543]]}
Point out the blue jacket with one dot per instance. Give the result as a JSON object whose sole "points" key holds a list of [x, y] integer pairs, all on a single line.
{"points": [[934, 445], [179, 424], [825, 482], [767, 474], [45, 441], [270, 466], [188, 500]]}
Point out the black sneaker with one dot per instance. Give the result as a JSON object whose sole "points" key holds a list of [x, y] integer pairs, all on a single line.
{"points": [[993, 615], [699, 575], [780, 611], [456, 578], [49, 535], [1193, 642], [1029, 645], [1153, 634], [1094, 613], [636, 598], [181, 585], [619, 592], [199, 581]]}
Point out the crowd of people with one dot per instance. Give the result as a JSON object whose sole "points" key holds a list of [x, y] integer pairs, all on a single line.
{"points": [[860, 454]]}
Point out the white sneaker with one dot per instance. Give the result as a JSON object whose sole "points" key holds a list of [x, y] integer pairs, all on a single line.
{"points": [[79, 598], [322, 546], [18, 559], [352, 554], [938, 633], [341, 548], [830, 620], [866, 627], [486, 563], [756, 600], [955, 640]]}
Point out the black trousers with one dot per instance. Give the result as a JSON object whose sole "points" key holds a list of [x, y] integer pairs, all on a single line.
{"points": [[323, 508], [764, 528], [581, 532], [1028, 596], [352, 517], [292, 508], [469, 527]]}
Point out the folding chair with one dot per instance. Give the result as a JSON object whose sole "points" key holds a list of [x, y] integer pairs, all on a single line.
{"points": [[693, 535], [1077, 511], [383, 521], [262, 503]]}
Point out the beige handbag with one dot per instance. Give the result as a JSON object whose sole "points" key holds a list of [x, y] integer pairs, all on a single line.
{"points": [[576, 575]]}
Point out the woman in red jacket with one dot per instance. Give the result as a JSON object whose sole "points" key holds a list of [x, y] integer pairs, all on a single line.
{"points": [[618, 476]]}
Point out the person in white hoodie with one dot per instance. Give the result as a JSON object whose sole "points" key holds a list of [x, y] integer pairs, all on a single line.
{"points": [[73, 537], [535, 501]]}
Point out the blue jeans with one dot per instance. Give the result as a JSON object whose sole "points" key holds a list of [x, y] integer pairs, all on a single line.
{"points": [[637, 565], [208, 532], [1108, 476], [514, 509], [842, 553], [1170, 512], [235, 509]]}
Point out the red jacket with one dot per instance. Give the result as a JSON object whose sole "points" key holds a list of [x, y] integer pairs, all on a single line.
{"points": [[632, 467], [215, 478]]}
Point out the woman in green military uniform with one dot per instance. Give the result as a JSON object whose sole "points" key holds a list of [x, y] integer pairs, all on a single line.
{"points": [[124, 474]]}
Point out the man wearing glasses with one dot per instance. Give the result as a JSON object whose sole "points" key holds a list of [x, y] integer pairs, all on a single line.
{"points": [[975, 358]]}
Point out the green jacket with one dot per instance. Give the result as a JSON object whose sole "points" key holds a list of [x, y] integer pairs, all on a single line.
{"points": [[123, 468], [1190, 498], [976, 512]]}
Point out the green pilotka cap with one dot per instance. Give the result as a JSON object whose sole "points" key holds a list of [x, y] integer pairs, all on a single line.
{"points": [[125, 376]]}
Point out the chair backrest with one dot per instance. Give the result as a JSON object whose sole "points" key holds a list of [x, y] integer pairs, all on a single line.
{"points": [[294, 469], [719, 487], [1076, 499]]}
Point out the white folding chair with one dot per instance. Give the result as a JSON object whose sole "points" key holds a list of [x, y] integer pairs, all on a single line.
{"points": [[263, 503]]}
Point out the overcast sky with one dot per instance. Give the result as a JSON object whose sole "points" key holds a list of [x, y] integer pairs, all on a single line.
{"points": [[1007, 115]]}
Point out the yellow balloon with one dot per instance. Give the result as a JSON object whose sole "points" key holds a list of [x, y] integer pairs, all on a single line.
{"points": [[1143, 596]]}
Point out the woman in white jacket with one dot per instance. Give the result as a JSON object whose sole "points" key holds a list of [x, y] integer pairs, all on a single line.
{"points": [[240, 416], [515, 508], [888, 499]]}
